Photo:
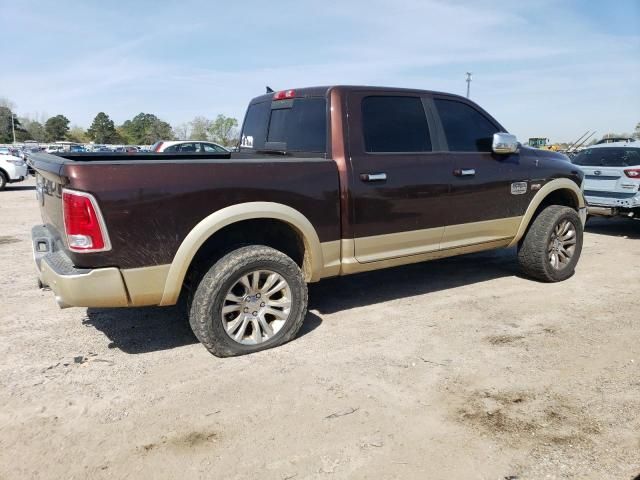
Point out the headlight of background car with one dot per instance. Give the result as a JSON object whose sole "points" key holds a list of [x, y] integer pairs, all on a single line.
{"points": [[17, 163]]}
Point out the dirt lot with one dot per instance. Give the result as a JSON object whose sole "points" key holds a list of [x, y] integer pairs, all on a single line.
{"points": [[452, 369]]}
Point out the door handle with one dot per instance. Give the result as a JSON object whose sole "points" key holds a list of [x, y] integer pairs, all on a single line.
{"points": [[464, 172], [373, 177]]}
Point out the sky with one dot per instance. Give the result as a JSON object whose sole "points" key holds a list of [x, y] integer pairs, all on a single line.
{"points": [[543, 68]]}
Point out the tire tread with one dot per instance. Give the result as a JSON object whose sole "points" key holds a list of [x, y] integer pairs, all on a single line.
{"points": [[202, 300]]}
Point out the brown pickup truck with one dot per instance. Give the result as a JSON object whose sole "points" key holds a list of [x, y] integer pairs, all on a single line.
{"points": [[327, 181]]}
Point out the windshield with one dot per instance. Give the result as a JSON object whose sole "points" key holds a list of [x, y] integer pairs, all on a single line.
{"points": [[298, 125], [608, 157]]}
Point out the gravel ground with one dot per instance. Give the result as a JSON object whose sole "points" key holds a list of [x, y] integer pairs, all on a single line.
{"points": [[457, 368]]}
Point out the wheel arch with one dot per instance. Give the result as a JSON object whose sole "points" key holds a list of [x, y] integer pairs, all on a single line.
{"points": [[560, 191], [206, 229]]}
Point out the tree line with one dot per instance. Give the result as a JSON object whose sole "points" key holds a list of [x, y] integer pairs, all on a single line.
{"points": [[143, 129]]}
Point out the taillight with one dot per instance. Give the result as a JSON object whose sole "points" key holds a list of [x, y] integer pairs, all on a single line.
{"points": [[633, 173], [284, 94], [83, 223]]}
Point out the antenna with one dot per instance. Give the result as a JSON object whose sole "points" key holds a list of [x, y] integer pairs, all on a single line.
{"points": [[469, 83], [269, 89]]}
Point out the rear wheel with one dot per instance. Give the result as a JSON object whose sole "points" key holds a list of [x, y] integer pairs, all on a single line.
{"points": [[252, 299], [551, 247]]}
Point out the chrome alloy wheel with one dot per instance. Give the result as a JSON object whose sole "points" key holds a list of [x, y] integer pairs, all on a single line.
{"points": [[562, 244], [256, 307]]}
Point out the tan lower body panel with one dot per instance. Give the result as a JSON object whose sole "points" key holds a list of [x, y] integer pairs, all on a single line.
{"points": [[145, 285], [479, 232], [383, 251], [381, 247], [351, 265], [331, 255]]}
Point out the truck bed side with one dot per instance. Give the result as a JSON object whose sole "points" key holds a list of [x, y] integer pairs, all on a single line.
{"points": [[149, 207]]}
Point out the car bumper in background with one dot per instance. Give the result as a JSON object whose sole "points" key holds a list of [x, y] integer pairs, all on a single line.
{"points": [[612, 204], [17, 173]]}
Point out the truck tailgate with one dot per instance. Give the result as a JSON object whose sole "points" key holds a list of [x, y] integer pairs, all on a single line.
{"points": [[49, 184]]}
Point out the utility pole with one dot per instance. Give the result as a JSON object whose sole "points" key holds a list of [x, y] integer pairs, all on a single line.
{"points": [[13, 127], [468, 83]]}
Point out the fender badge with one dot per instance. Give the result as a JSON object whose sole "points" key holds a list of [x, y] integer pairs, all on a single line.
{"points": [[535, 186], [518, 188]]}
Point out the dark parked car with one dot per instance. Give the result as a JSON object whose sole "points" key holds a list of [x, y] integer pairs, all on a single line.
{"points": [[328, 181]]}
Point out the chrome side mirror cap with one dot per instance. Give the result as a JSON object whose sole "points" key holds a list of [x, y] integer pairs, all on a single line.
{"points": [[504, 143]]}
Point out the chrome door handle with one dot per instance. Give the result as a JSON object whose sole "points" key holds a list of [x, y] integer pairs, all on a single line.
{"points": [[464, 172], [373, 177]]}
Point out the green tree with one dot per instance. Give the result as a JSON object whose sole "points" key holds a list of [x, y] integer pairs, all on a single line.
{"points": [[223, 130], [146, 128], [57, 128], [35, 130], [102, 130], [122, 136], [200, 128], [6, 128], [181, 132], [77, 134]]}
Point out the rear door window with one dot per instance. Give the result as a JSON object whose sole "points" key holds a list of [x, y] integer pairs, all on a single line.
{"points": [[466, 129], [395, 124], [302, 126], [608, 157], [298, 125]]}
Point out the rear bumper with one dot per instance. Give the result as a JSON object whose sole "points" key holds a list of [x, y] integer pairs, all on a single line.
{"points": [[613, 204], [73, 287], [613, 200]]}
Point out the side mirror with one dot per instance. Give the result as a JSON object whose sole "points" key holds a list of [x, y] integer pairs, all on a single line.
{"points": [[504, 143]]}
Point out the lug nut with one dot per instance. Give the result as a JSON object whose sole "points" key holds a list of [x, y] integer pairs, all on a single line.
{"points": [[246, 309], [262, 304], [255, 313], [257, 295]]}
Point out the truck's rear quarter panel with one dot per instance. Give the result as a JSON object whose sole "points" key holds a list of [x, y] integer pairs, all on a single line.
{"points": [[149, 207]]}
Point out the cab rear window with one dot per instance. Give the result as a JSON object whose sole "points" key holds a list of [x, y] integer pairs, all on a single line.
{"points": [[608, 157], [298, 125]]}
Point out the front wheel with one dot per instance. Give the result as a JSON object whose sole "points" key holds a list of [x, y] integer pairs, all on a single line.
{"points": [[3, 181], [252, 299], [551, 247]]}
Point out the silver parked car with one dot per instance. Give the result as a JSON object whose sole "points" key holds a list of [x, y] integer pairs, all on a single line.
{"points": [[612, 178]]}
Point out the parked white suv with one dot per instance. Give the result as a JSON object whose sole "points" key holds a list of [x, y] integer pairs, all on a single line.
{"points": [[612, 178], [12, 169]]}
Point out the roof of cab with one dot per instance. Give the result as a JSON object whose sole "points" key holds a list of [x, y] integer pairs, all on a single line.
{"points": [[616, 145], [323, 90]]}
